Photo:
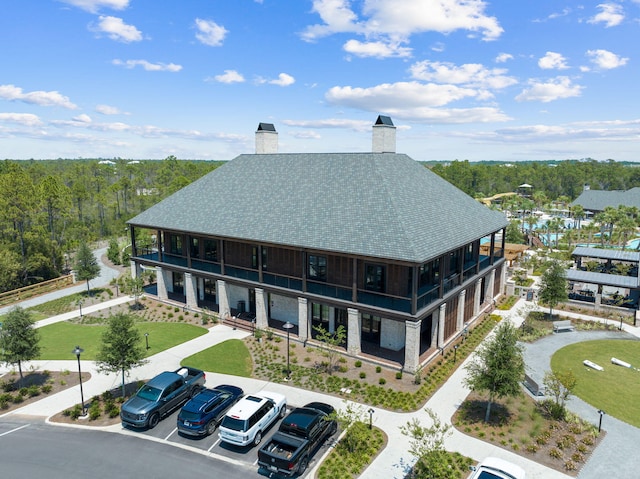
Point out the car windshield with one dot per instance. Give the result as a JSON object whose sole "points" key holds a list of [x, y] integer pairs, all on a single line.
{"points": [[149, 393], [233, 423], [490, 475]]}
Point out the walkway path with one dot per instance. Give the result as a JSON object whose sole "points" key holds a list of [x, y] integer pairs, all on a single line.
{"points": [[614, 454]]}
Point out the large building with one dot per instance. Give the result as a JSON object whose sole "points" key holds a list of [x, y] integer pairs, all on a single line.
{"points": [[374, 242]]}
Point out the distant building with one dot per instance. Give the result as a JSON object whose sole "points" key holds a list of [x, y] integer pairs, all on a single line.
{"points": [[597, 200], [374, 242]]}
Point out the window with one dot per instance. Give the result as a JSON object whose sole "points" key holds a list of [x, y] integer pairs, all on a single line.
{"points": [[370, 328], [175, 244], [318, 267], [211, 250], [195, 247], [254, 257], [374, 277], [429, 273]]}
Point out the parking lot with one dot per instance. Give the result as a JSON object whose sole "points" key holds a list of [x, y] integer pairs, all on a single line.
{"points": [[167, 431]]}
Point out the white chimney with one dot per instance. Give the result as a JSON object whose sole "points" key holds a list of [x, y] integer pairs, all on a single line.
{"points": [[384, 135], [266, 139]]}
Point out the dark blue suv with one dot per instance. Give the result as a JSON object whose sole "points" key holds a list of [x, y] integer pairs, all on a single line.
{"points": [[202, 414]]}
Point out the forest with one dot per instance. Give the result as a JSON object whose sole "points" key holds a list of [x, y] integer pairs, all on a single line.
{"points": [[49, 207]]}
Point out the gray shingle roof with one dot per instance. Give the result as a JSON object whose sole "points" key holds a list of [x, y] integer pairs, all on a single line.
{"points": [[613, 254], [598, 200], [381, 205], [602, 278]]}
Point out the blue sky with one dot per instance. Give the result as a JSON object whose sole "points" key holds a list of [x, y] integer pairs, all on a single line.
{"points": [[478, 80]]}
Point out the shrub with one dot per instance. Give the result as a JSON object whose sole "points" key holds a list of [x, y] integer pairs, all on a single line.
{"points": [[382, 381], [75, 412], [33, 390], [94, 411], [358, 364], [378, 369], [555, 453], [363, 375], [399, 375], [113, 411], [46, 388]]}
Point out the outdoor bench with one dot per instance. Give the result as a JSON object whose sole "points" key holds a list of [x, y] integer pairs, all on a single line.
{"points": [[563, 326]]}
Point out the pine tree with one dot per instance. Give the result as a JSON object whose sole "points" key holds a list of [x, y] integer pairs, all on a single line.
{"points": [[86, 265], [18, 338], [121, 348]]}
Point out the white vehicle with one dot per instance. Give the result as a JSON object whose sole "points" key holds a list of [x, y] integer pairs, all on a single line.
{"points": [[495, 468], [245, 422]]}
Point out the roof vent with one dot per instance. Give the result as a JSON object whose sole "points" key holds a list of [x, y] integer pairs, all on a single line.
{"points": [[384, 135], [266, 139]]}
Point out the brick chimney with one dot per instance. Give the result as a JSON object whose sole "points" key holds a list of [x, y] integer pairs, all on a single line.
{"points": [[384, 135], [266, 139]]}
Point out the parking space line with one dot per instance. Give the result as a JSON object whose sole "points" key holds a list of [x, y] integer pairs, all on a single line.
{"points": [[167, 438], [214, 445], [14, 430]]}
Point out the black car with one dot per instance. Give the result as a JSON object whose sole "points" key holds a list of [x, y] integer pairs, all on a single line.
{"points": [[202, 414]]}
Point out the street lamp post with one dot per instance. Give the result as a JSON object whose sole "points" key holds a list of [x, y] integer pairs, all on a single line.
{"points": [[233, 318], [602, 413], [371, 411], [146, 338], [288, 326], [78, 351], [79, 303], [455, 352]]}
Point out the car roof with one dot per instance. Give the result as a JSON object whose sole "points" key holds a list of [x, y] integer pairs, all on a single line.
{"points": [[162, 380], [251, 403], [507, 468]]}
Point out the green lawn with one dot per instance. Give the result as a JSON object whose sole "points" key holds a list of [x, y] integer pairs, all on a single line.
{"points": [[616, 390], [58, 340], [229, 357]]}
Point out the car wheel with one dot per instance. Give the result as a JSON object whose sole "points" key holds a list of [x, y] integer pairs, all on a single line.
{"points": [[283, 411], [154, 420], [257, 438], [304, 462], [211, 427], [194, 392]]}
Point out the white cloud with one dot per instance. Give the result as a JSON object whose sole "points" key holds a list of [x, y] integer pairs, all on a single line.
{"points": [[469, 74], [41, 98], [117, 30], [26, 119], [606, 60], [210, 33], [376, 49], [148, 66], [392, 22], [504, 57], [283, 79], [229, 76], [108, 110], [94, 6], [553, 61], [82, 118], [611, 15], [555, 89]]}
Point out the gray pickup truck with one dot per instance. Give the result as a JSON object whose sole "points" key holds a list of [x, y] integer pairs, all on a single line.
{"points": [[161, 395], [301, 433]]}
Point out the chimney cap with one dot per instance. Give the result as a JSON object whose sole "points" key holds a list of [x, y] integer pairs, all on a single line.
{"points": [[266, 127], [384, 120]]}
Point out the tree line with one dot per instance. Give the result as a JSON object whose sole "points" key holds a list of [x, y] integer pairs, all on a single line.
{"points": [[49, 207], [554, 179]]}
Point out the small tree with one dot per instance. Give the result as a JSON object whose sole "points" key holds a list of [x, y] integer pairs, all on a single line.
{"points": [[86, 265], [121, 348], [352, 419], [133, 287], [19, 339], [560, 385], [427, 444], [113, 252], [553, 285], [333, 341], [497, 365]]}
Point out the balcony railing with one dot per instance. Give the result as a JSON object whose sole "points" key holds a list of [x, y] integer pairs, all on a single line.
{"points": [[384, 301], [329, 290], [282, 281]]}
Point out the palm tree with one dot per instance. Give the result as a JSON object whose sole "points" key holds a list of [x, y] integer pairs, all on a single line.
{"points": [[590, 229], [578, 215]]}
